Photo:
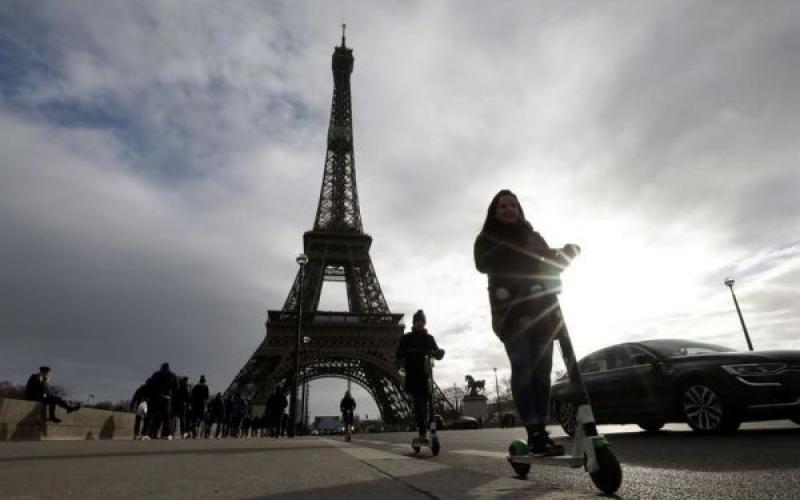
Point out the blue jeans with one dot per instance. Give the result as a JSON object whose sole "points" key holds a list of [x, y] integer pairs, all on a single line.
{"points": [[531, 357]]}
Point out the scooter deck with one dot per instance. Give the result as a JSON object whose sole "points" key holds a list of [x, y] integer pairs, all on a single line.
{"points": [[562, 460]]}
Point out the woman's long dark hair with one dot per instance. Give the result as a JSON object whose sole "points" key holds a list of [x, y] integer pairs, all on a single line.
{"points": [[492, 226]]}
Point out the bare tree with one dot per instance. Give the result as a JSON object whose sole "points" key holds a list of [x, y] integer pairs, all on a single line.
{"points": [[11, 390], [454, 394]]}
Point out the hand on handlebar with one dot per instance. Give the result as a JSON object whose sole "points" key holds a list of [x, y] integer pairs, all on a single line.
{"points": [[571, 250]]}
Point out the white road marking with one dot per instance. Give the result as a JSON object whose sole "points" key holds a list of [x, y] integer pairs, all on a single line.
{"points": [[372, 454], [482, 453]]}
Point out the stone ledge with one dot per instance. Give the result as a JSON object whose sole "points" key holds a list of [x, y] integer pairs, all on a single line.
{"points": [[25, 421]]}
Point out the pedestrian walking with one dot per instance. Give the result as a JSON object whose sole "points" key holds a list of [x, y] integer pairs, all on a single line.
{"points": [[163, 388], [139, 408], [197, 404]]}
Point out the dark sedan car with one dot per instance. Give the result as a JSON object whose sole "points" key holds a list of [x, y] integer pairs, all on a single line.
{"points": [[465, 423], [711, 388]]}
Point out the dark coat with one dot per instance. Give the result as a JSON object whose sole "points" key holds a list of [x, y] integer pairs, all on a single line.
{"points": [[198, 397], [347, 404], [163, 383], [36, 388], [413, 348], [524, 278], [277, 403], [216, 409]]}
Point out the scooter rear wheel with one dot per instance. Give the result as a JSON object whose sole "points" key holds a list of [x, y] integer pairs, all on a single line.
{"points": [[608, 477], [416, 449], [521, 469], [435, 447]]}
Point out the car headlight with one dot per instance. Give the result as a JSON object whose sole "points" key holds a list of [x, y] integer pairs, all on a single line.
{"points": [[751, 369]]}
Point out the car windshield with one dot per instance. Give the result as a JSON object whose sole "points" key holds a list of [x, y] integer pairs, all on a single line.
{"points": [[676, 348]]}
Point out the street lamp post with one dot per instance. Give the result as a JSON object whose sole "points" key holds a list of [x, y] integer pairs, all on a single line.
{"points": [[729, 283], [497, 393], [301, 260], [303, 404]]}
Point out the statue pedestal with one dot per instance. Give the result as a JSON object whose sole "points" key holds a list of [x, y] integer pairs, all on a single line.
{"points": [[476, 407]]}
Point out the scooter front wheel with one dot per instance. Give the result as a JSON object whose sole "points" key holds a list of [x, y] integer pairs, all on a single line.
{"points": [[435, 447], [608, 477]]}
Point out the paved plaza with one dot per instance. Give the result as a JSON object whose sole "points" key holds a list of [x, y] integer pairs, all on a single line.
{"points": [[312, 468]]}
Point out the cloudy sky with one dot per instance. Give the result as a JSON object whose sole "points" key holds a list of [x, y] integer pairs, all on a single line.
{"points": [[159, 162]]}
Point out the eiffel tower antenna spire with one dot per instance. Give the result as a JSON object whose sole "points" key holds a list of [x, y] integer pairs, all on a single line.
{"points": [[344, 27], [338, 209]]}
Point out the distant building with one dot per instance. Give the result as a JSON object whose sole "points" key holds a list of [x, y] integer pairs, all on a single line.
{"points": [[328, 425]]}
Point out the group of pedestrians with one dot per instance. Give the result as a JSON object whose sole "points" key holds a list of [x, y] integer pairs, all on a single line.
{"points": [[168, 406], [228, 417]]}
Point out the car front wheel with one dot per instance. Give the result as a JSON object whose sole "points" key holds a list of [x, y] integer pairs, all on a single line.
{"points": [[705, 410], [651, 425], [567, 416]]}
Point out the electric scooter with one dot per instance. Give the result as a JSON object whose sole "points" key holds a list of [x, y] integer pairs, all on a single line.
{"points": [[432, 441], [590, 450]]}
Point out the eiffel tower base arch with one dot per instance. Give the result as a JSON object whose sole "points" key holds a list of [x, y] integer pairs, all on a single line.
{"points": [[340, 345]]}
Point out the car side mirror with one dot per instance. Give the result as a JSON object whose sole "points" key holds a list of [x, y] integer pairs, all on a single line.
{"points": [[641, 358]]}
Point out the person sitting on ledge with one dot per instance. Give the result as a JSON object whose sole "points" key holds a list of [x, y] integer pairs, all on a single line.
{"points": [[37, 390]]}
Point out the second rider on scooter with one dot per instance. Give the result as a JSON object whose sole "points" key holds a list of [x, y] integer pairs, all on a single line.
{"points": [[523, 283], [411, 351], [347, 406]]}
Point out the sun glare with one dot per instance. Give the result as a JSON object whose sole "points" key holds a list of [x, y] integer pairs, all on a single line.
{"points": [[621, 281]]}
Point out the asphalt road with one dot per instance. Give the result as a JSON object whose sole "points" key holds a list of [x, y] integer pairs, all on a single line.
{"points": [[761, 461]]}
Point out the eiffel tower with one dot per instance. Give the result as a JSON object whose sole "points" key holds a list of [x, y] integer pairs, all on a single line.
{"points": [[359, 344]]}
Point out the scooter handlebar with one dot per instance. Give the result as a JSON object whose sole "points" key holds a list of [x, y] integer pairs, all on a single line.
{"points": [[562, 256], [437, 354]]}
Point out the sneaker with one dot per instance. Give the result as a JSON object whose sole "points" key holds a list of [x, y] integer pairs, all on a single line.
{"points": [[540, 445], [145, 438], [55, 420]]}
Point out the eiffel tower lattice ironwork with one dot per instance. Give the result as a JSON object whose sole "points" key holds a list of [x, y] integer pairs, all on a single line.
{"points": [[358, 344]]}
